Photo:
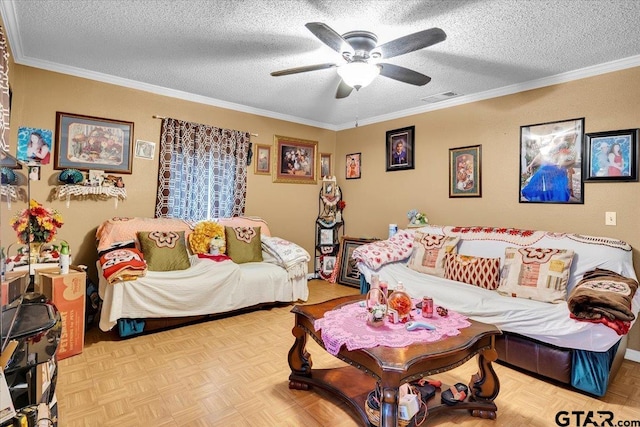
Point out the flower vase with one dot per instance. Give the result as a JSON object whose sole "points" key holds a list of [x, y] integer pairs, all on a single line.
{"points": [[34, 252]]}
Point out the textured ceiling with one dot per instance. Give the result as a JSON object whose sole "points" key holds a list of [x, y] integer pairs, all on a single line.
{"points": [[221, 52]]}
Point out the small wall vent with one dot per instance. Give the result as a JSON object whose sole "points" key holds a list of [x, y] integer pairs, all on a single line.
{"points": [[439, 97]]}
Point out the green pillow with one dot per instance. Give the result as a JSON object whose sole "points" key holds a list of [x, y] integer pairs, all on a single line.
{"points": [[243, 244], [164, 250]]}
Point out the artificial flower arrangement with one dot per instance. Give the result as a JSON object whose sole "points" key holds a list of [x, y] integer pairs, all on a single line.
{"points": [[36, 224], [341, 205], [205, 235], [416, 217]]}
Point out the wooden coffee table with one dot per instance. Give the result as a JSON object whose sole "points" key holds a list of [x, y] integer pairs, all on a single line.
{"points": [[392, 367]]}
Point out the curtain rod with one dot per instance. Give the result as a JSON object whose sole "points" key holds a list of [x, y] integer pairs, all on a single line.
{"points": [[162, 117]]}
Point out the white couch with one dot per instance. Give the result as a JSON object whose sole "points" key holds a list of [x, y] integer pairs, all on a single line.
{"points": [[538, 336], [207, 287]]}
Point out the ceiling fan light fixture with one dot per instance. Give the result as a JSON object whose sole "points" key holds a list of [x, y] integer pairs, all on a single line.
{"points": [[358, 74]]}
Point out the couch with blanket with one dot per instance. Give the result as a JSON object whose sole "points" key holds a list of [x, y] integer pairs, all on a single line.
{"points": [[152, 276], [563, 301]]}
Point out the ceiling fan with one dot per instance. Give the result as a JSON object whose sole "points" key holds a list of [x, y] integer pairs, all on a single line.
{"points": [[362, 55]]}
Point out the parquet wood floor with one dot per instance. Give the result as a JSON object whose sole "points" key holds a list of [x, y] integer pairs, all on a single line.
{"points": [[233, 372]]}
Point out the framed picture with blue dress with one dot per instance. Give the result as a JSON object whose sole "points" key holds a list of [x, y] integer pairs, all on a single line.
{"points": [[551, 162], [611, 156]]}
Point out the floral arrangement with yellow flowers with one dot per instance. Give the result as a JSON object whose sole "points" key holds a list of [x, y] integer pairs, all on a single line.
{"points": [[36, 224], [205, 234]]}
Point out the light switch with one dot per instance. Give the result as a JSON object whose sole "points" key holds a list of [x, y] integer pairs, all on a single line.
{"points": [[610, 218]]}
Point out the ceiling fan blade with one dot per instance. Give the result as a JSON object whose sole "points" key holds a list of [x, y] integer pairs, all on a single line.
{"points": [[344, 90], [329, 37], [411, 42], [404, 75], [302, 69]]}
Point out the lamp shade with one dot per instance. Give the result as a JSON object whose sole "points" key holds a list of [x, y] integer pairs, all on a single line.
{"points": [[358, 74]]}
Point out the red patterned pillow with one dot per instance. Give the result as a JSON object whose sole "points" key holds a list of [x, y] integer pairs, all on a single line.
{"points": [[482, 272]]}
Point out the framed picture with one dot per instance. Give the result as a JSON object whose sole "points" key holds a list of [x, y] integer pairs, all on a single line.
{"points": [[145, 149], [328, 264], [96, 177], [34, 145], [295, 161], [401, 149], [353, 166], [611, 156], [326, 236], [263, 164], [8, 161], [84, 143], [465, 171], [349, 274], [328, 188], [551, 162], [325, 165]]}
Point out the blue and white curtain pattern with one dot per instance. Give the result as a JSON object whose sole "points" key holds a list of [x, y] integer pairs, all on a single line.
{"points": [[202, 172]]}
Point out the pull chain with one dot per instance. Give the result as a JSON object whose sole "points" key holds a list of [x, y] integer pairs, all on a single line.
{"points": [[357, 104]]}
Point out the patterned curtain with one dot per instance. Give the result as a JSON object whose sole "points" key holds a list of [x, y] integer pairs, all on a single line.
{"points": [[202, 172], [4, 92]]}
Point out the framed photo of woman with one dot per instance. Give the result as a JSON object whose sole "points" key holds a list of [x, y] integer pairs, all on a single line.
{"points": [[353, 166], [611, 156], [551, 162]]}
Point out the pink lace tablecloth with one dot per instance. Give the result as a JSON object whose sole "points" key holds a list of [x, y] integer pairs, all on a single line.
{"points": [[347, 325]]}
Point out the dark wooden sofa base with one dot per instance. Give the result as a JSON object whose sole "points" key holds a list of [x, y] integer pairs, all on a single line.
{"points": [[543, 359]]}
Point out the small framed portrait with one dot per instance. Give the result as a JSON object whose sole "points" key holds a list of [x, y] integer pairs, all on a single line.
{"points": [[263, 163], [353, 166], [401, 149], [465, 171], [328, 264], [328, 188], [326, 236], [145, 149], [611, 156], [96, 177], [34, 145], [551, 162], [325, 164], [34, 173]]}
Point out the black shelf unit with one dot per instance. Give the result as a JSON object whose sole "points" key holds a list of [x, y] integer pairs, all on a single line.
{"points": [[330, 227]]}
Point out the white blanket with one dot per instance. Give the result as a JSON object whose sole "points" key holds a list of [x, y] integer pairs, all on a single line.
{"points": [[288, 255], [207, 287]]}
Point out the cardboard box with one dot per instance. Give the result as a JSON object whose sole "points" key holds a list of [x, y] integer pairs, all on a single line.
{"points": [[67, 292]]}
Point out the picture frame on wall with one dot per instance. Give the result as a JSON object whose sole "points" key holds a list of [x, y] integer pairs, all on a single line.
{"points": [[295, 160], [34, 145], [400, 150], [263, 161], [611, 156], [145, 149], [353, 166], [465, 171], [85, 143], [326, 236], [326, 166], [551, 162]]}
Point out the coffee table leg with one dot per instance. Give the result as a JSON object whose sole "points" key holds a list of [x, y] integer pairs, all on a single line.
{"points": [[299, 359], [485, 385], [389, 407]]}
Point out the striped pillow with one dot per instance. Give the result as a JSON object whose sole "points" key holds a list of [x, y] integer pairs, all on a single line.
{"points": [[482, 272], [536, 273]]}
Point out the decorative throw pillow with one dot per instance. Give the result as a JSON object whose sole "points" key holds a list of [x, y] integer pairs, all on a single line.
{"points": [[164, 250], [243, 244], [429, 251], [536, 273], [482, 272]]}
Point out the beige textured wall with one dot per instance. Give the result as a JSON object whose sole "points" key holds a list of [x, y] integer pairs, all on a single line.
{"points": [[607, 102], [290, 209]]}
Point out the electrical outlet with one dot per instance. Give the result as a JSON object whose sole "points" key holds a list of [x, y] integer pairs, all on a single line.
{"points": [[610, 218]]}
